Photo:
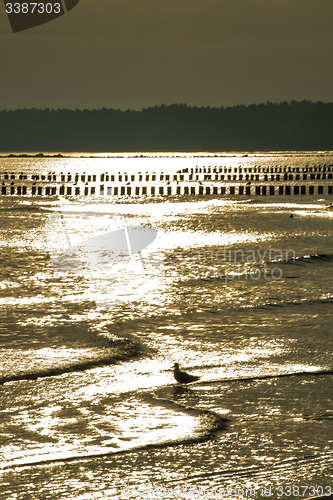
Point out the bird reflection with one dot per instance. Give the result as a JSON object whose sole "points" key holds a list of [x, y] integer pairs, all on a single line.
{"points": [[179, 391]]}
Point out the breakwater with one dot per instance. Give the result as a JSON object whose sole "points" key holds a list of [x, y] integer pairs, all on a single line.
{"points": [[254, 180]]}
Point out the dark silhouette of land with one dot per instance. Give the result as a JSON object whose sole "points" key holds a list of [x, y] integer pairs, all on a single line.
{"points": [[290, 126]]}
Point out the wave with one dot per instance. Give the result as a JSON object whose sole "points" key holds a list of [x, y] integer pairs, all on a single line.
{"points": [[295, 303], [308, 259], [262, 470], [253, 378], [259, 267], [211, 424], [259, 271], [25, 208], [320, 418], [127, 350], [272, 305]]}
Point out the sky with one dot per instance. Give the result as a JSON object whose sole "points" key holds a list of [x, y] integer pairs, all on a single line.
{"points": [[132, 54]]}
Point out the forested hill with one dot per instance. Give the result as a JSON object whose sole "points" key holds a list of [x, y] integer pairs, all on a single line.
{"points": [[285, 126]]}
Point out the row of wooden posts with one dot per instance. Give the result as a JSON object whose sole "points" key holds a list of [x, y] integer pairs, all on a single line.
{"points": [[172, 189]]}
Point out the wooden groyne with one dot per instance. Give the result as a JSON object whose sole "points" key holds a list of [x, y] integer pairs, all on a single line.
{"points": [[196, 181]]}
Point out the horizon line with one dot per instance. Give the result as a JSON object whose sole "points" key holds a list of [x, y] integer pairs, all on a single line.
{"points": [[179, 104]]}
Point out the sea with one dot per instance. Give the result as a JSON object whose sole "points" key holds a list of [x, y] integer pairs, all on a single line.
{"points": [[237, 290]]}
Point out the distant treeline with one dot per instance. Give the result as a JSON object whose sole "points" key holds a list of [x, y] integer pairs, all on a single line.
{"points": [[285, 126]]}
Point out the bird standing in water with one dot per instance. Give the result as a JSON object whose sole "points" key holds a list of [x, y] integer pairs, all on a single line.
{"points": [[183, 377]]}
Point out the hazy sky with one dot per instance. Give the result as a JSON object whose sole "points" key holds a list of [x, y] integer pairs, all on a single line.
{"points": [[130, 54]]}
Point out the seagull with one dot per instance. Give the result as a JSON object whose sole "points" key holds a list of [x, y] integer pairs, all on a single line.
{"points": [[183, 377]]}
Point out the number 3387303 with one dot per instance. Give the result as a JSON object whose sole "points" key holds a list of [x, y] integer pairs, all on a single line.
{"points": [[33, 8]]}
